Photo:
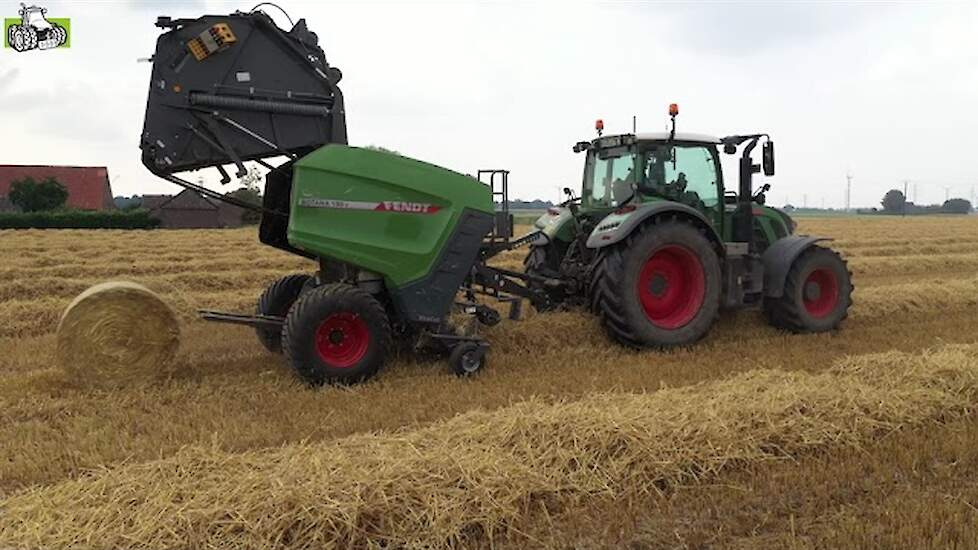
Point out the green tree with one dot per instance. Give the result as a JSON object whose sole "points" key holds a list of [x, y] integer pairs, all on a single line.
{"points": [[893, 201], [249, 194], [956, 206], [31, 196]]}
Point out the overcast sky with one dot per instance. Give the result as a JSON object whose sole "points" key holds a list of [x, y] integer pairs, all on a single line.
{"points": [[886, 91]]}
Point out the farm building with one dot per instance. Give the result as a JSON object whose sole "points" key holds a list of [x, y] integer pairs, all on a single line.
{"points": [[189, 209], [88, 186]]}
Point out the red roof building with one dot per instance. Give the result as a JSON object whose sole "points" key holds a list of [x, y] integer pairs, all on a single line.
{"points": [[88, 186]]}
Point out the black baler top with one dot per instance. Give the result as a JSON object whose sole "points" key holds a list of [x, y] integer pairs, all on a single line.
{"points": [[231, 88]]}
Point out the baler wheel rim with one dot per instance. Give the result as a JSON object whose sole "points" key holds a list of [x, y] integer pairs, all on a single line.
{"points": [[679, 275], [342, 340]]}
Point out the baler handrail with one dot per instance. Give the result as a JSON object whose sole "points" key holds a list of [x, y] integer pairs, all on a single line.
{"points": [[274, 5]]}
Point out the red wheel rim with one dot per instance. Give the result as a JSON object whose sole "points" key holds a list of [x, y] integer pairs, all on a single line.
{"points": [[820, 292], [342, 340], [672, 286]]}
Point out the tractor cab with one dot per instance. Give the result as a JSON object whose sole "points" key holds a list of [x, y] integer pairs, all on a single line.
{"points": [[632, 169], [624, 171]]}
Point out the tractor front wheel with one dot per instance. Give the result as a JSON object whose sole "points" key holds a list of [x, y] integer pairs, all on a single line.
{"points": [[19, 37], [659, 288], [336, 333], [544, 261], [817, 293], [276, 301]]}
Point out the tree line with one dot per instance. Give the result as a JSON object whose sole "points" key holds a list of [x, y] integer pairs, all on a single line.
{"points": [[895, 202]]}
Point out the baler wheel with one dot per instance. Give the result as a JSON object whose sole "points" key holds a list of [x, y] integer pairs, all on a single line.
{"points": [[658, 288], [467, 359], [817, 293], [276, 300], [336, 333]]}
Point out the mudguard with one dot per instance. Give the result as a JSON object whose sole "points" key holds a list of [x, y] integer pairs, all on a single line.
{"points": [[620, 224], [777, 260]]}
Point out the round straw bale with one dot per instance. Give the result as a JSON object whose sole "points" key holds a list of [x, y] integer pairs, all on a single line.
{"points": [[117, 332]]}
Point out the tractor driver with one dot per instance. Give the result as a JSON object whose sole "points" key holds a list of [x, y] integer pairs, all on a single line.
{"points": [[656, 175], [622, 188]]}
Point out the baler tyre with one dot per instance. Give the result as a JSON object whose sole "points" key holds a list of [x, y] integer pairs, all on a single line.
{"points": [[467, 359], [659, 288], [544, 261], [817, 293], [276, 300], [336, 333]]}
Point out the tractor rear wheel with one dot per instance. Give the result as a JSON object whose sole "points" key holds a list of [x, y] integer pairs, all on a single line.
{"points": [[659, 288], [336, 333], [817, 293], [276, 301], [60, 33]]}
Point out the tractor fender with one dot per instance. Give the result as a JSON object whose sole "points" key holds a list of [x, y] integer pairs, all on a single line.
{"points": [[618, 225], [777, 260]]}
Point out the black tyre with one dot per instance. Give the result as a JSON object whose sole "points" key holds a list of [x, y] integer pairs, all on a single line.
{"points": [[276, 300], [659, 288], [31, 37], [19, 38], [817, 293], [467, 359], [336, 333], [59, 33], [545, 262]]}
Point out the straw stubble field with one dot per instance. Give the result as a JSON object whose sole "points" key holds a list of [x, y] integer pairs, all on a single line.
{"points": [[861, 438]]}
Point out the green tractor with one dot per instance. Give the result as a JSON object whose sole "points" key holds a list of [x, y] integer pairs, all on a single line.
{"points": [[402, 248], [656, 244]]}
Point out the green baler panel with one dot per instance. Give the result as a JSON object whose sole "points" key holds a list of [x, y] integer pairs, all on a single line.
{"points": [[378, 211]]}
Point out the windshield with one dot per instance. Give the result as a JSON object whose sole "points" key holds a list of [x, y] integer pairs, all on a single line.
{"points": [[609, 176]]}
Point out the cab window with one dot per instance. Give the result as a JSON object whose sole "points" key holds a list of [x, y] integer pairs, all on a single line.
{"points": [[609, 177], [685, 173]]}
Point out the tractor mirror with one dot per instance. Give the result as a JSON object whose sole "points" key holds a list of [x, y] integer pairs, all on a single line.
{"points": [[767, 158]]}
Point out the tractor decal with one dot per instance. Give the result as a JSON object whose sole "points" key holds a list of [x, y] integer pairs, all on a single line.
{"points": [[34, 31], [383, 206]]}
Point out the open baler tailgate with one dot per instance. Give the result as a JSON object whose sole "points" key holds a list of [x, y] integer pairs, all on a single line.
{"points": [[231, 88]]}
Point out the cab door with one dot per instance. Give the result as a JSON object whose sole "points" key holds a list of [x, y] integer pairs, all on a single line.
{"points": [[692, 173]]}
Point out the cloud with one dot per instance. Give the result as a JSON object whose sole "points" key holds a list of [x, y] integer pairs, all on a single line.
{"points": [[737, 29], [165, 6]]}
